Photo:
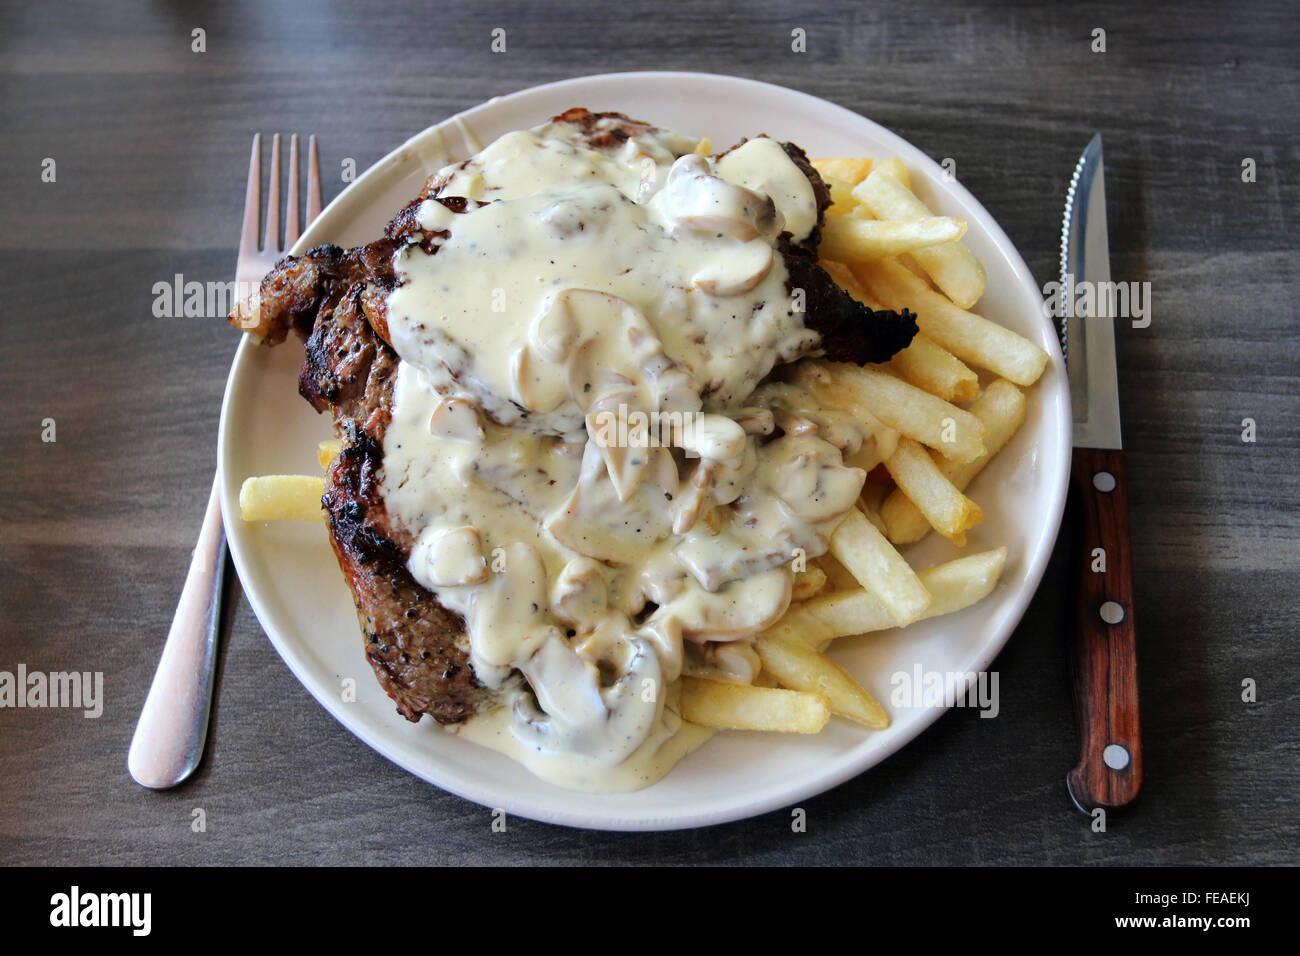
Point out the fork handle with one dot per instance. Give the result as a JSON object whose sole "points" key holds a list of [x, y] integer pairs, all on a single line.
{"points": [[173, 726], [1109, 772]]}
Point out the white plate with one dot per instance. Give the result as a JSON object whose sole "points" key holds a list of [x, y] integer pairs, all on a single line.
{"points": [[294, 586]]}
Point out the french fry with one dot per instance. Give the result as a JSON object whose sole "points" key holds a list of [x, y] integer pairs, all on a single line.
{"points": [[944, 506], [955, 270], [703, 147], [799, 667], [798, 623], [326, 451], [745, 707], [914, 267], [282, 498], [952, 266], [867, 554], [913, 412], [842, 202], [838, 577], [851, 169], [894, 166], [932, 367], [852, 239], [955, 585], [841, 174], [1002, 409], [970, 337], [874, 518], [808, 583]]}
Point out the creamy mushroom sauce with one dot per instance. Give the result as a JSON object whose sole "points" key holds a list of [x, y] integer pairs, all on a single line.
{"points": [[578, 445]]}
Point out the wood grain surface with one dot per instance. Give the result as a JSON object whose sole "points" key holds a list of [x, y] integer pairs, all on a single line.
{"points": [[1105, 636], [150, 147]]}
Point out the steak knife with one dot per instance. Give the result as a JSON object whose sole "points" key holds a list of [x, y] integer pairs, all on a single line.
{"points": [[1109, 772]]}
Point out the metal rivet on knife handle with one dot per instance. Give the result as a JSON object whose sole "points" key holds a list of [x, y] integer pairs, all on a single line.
{"points": [[1116, 757], [1104, 481]]}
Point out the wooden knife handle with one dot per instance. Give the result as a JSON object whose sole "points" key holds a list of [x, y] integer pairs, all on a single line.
{"points": [[1109, 772]]}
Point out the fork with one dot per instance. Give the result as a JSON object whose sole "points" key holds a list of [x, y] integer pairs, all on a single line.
{"points": [[173, 726]]}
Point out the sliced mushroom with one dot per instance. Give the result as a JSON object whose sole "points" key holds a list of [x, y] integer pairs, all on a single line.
{"points": [[554, 332], [762, 164], [622, 437], [697, 199], [580, 596], [713, 560], [566, 685], [664, 634], [594, 522], [713, 437], [663, 473], [648, 184], [601, 724], [737, 270], [692, 498], [537, 385], [730, 660], [678, 397], [448, 558], [818, 489], [732, 478], [798, 412], [792, 424], [756, 421], [508, 613], [455, 419], [624, 463], [737, 609]]}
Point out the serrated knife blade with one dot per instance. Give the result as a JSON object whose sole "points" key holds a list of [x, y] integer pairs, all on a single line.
{"points": [[1087, 322]]}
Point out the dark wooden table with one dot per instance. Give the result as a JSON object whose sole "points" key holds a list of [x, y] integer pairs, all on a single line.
{"points": [[150, 142]]}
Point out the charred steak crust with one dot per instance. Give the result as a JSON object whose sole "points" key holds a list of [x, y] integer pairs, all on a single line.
{"points": [[850, 331], [336, 300], [348, 369], [416, 647], [603, 130]]}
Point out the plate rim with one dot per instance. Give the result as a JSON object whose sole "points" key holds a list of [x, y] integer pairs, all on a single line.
{"points": [[1041, 543]]}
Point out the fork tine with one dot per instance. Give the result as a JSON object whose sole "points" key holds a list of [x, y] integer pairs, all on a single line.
{"points": [[248, 234], [313, 181], [291, 204], [272, 240]]}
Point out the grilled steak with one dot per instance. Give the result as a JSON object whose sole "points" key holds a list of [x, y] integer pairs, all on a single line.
{"points": [[335, 300], [417, 648]]}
